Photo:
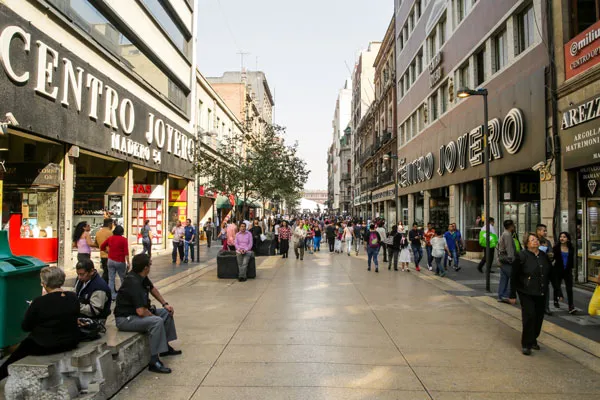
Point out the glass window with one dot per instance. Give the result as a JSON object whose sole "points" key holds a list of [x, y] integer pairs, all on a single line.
{"points": [[434, 107], [500, 51], [526, 29], [87, 17], [593, 240], [480, 67], [461, 10], [442, 28], [584, 13], [444, 98], [165, 20]]}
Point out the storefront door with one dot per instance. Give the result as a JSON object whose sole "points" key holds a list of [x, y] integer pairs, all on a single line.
{"points": [[593, 240], [526, 216]]}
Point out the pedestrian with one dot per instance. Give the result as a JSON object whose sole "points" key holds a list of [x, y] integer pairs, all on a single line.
{"points": [[118, 258], [530, 278], [339, 234], [189, 238], [348, 237], [330, 236], [404, 247], [428, 235], [256, 232], [318, 234], [223, 236], [104, 233], [439, 250], [82, 240], [298, 240], [459, 241], [415, 236], [564, 260], [285, 233], [546, 246], [381, 230], [358, 234], [309, 239], [231, 232], [508, 250], [276, 235], [372, 246], [451, 237], [243, 248], [393, 247], [482, 263], [93, 293], [146, 233], [178, 238], [208, 229]]}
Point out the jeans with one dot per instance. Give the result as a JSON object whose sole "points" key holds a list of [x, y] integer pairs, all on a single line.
{"points": [[317, 243], [567, 276], [349, 245], [147, 247], [418, 253], [393, 257], [104, 264], [504, 285], [357, 243], [307, 243], [242, 261], [429, 249], [299, 249], [454, 254], [372, 253], [115, 268], [83, 256], [177, 246], [439, 266], [188, 248]]}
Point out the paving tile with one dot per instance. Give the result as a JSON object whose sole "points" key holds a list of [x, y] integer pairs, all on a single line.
{"points": [[247, 337], [505, 396], [256, 323], [163, 391], [297, 393]]}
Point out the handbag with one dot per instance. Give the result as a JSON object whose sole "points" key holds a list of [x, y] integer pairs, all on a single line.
{"points": [[262, 237], [90, 329], [389, 241]]}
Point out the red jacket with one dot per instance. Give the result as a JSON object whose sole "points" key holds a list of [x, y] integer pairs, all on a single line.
{"points": [[118, 248]]}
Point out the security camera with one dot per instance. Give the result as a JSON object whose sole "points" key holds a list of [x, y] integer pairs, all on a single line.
{"points": [[538, 166], [10, 118]]}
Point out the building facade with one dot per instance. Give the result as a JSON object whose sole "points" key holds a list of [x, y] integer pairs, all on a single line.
{"points": [[101, 93], [576, 27], [445, 45], [318, 196], [341, 119], [345, 156], [363, 95]]}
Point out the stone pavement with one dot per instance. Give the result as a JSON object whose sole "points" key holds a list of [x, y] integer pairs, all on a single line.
{"points": [[325, 328]]}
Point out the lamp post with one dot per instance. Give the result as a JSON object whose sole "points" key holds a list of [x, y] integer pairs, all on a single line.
{"points": [[463, 94], [395, 170]]}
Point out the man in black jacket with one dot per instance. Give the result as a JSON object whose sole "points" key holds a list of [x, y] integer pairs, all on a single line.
{"points": [[330, 234], [93, 292]]}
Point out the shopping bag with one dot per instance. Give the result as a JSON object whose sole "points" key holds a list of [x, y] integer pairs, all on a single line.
{"points": [[262, 237], [594, 307]]}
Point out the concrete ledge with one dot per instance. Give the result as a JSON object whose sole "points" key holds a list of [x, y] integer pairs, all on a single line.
{"points": [[95, 370]]}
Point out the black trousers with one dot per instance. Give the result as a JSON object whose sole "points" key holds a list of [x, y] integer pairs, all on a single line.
{"points": [[284, 247], [331, 243], [104, 263], [208, 237], [384, 249], [177, 247], [532, 314], [30, 348], [567, 276]]}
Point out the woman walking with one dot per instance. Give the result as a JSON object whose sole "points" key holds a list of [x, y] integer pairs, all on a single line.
{"points": [[339, 233], [146, 233], [530, 278], [118, 258], [404, 257], [223, 236], [393, 248], [318, 235], [348, 237], [372, 244], [256, 231], [564, 260], [285, 234], [82, 240], [276, 234], [439, 250]]}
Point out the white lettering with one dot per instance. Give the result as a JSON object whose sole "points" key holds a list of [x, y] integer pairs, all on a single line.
{"points": [[95, 86], [45, 70], [159, 133], [127, 116], [169, 139], [150, 131], [6, 38], [512, 131], [476, 147], [111, 103], [76, 84]]}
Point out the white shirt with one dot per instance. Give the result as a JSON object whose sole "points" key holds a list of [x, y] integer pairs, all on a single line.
{"points": [[492, 229], [438, 246], [277, 229], [381, 233]]}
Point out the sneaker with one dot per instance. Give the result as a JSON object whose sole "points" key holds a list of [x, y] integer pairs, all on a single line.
{"points": [[418, 269], [376, 269], [572, 310], [430, 268], [457, 269], [556, 304], [526, 351], [368, 269]]}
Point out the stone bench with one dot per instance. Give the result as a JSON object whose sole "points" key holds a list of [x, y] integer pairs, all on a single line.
{"points": [[227, 266], [94, 370]]}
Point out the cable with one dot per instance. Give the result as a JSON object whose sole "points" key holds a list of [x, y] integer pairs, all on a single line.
{"points": [[235, 42]]}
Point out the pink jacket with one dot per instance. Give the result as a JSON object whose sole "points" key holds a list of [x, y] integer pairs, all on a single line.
{"points": [[231, 232]]}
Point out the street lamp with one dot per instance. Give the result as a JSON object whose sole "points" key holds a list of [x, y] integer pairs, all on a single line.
{"points": [[386, 157], [463, 94]]}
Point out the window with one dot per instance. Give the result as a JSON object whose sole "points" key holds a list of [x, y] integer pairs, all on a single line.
{"points": [[419, 61], [461, 10], [584, 13], [463, 77], [500, 51], [433, 106], [432, 44], [480, 67], [164, 19], [444, 98], [525, 26], [442, 29]]}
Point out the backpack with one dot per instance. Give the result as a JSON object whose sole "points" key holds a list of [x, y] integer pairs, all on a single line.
{"points": [[373, 241]]}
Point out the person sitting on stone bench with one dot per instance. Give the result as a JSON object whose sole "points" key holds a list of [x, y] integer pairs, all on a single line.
{"points": [[51, 320], [134, 313], [243, 248], [93, 292]]}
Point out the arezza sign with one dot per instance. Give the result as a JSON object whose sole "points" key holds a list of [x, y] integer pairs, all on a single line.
{"points": [[505, 137], [54, 93]]}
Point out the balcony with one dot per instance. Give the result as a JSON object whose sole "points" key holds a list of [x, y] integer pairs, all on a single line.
{"points": [[386, 137], [346, 176], [384, 178], [345, 199]]}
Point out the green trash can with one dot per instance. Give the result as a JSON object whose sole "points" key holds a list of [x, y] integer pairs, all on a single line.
{"points": [[19, 284]]}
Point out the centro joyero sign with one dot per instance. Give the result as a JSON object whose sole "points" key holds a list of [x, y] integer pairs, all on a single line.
{"points": [[467, 150]]}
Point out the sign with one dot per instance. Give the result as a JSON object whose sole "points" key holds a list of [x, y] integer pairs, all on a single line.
{"points": [[583, 51], [435, 69], [467, 150], [32, 174], [177, 208], [589, 181], [56, 94], [143, 191], [384, 195], [580, 136]]}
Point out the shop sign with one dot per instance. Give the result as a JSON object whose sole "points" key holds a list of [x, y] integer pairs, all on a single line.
{"points": [[32, 174], [54, 93], [581, 146], [589, 181], [435, 69], [583, 51], [143, 191], [467, 150], [385, 195]]}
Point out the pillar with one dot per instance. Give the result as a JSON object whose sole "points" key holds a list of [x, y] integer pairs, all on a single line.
{"points": [[65, 212], [411, 209], [128, 207], [494, 200], [547, 196], [386, 211], [426, 197], [453, 203]]}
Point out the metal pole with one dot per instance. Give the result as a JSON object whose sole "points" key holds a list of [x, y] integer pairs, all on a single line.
{"points": [[198, 200], [396, 191], [488, 254]]}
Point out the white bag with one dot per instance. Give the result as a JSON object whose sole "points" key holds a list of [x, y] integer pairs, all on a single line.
{"points": [[262, 237]]}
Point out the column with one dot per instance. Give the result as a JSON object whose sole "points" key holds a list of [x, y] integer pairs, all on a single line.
{"points": [[547, 196], [411, 209], [426, 197], [65, 212], [128, 206], [453, 203], [386, 210], [193, 208], [494, 200]]}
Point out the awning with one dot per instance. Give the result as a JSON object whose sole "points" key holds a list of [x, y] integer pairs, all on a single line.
{"points": [[223, 202]]}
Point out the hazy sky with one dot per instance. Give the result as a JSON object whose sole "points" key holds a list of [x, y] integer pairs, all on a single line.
{"points": [[303, 47]]}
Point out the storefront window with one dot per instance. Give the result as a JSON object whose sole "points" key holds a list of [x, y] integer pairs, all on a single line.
{"points": [[472, 211], [593, 240], [178, 202], [419, 208], [579, 237], [520, 200], [148, 204], [439, 205]]}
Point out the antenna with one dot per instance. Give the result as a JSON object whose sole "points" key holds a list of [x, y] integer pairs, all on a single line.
{"points": [[242, 55]]}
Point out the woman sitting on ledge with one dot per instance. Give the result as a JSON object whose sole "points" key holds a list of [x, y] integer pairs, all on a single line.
{"points": [[51, 320]]}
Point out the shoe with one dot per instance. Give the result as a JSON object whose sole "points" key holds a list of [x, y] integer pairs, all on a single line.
{"points": [[185, 261], [395, 269], [297, 257], [418, 269], [457, 269], [480, 268], [389, 268], [504, 300], [301, 259], [368, 269], [443, 274], [240, 280], [244, 279], [536, 347], [430, 268], [526, 351], [171, 352], [376, 269], [572, 310], [159, 367], [348, 254], [556, 304], [548, 312]]}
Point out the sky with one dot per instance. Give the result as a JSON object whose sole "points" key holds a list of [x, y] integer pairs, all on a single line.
{"points": [[307, 50]]}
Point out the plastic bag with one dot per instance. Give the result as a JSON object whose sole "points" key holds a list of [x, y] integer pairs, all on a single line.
{"points": [[594, 307], [262, 237], [493, 239]]}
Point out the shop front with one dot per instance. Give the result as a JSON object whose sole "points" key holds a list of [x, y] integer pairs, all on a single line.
{"points": [[588, 246], [439, 208], [383, 200], [519, 200]]}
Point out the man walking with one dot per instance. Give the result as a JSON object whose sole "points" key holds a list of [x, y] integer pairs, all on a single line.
{"points": [[382, 236], [330, 235], [208, 229], [357, 235], [189, 240], [372, 244], [134, 313], [104, 233], [415, 236], [452, 243], [493, 231], [243, 248], [508, 249], [298, 238], [428, 235]]}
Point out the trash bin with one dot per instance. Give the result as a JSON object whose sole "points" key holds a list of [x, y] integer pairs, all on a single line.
{"points": [[19, 283]]}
